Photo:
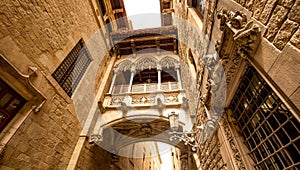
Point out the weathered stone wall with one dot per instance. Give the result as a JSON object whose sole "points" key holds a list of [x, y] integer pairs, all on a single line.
{"points": [[279, 52], [281, 18], [94, 157], [44, 140], [41, 34]]}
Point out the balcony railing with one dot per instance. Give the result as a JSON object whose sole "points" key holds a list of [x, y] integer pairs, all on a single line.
{"points": [[144, 95], [144, 88]]}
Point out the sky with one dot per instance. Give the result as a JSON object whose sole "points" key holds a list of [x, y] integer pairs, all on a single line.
{"points": [[143, 13]]}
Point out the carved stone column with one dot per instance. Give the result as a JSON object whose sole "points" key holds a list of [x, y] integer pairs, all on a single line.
{"points": [[178, 76], [113, 81], [131, 78], [158, 77]]}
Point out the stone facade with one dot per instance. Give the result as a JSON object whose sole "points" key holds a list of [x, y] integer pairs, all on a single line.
{"points": [[54, 131], [39, 35]]}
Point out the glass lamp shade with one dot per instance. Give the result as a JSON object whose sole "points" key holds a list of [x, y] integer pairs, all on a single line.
{"points": [[173, 118]]}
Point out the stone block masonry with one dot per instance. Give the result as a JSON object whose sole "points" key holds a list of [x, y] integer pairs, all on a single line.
{"points": [[41, 34], [281, 18]]}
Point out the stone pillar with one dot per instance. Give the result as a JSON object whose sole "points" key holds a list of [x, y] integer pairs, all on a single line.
{"points": [[158, 77], [131, 79], [178, 76], [113, 82]]}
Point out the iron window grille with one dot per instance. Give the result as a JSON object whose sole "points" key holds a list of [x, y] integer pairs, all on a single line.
{"points": [[270, 131], [70, 71], [10, 103]]}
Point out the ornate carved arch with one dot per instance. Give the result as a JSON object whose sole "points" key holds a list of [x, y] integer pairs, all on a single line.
{"points": [[168, 62], [124, 65], [146, 62]]}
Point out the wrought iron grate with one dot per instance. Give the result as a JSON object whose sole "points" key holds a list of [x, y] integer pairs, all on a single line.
{"points": [[270, 130], [70, 71]]}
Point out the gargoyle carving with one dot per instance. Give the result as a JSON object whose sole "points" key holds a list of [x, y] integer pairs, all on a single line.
{"points": [[236, 19], [248, 38]]}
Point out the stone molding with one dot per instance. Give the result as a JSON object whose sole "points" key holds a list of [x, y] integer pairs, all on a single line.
{"points": [[22, 83], [239, 42], [147, 62], [232, 144]]}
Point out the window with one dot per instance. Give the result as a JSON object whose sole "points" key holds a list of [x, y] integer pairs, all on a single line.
{"points": [[70, 71], [271, 132], [10, 103], [102, 6], [199, 5]]}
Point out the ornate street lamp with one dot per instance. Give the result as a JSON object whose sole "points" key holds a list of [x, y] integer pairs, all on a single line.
{"points": [[174, 121], [188, 138]]}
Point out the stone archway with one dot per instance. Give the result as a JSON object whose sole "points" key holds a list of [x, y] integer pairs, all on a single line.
{"points": [[124, 132]]}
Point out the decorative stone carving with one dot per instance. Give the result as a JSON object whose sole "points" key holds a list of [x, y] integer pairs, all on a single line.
{"points": [[168, 62], [116, 100], [146, 63], [240, 39], [233, 146], [246, 34], [124, 108], [171, 98], [125, 65], [143, 99], [96, 138], [236, 19], [160, 106], [248, 38]]}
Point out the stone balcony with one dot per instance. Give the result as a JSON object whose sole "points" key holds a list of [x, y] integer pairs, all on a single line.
{"points": [[145, 95]]}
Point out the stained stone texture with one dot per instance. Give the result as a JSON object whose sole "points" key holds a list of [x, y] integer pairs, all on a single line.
{"points": [[41, 34], [275, 22], [295, 40], [294, 14], [258, 7], [266, 54], [45, 140], [265, 15], [286, 3], [93, 157], [285, 70], [288, 28]]}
